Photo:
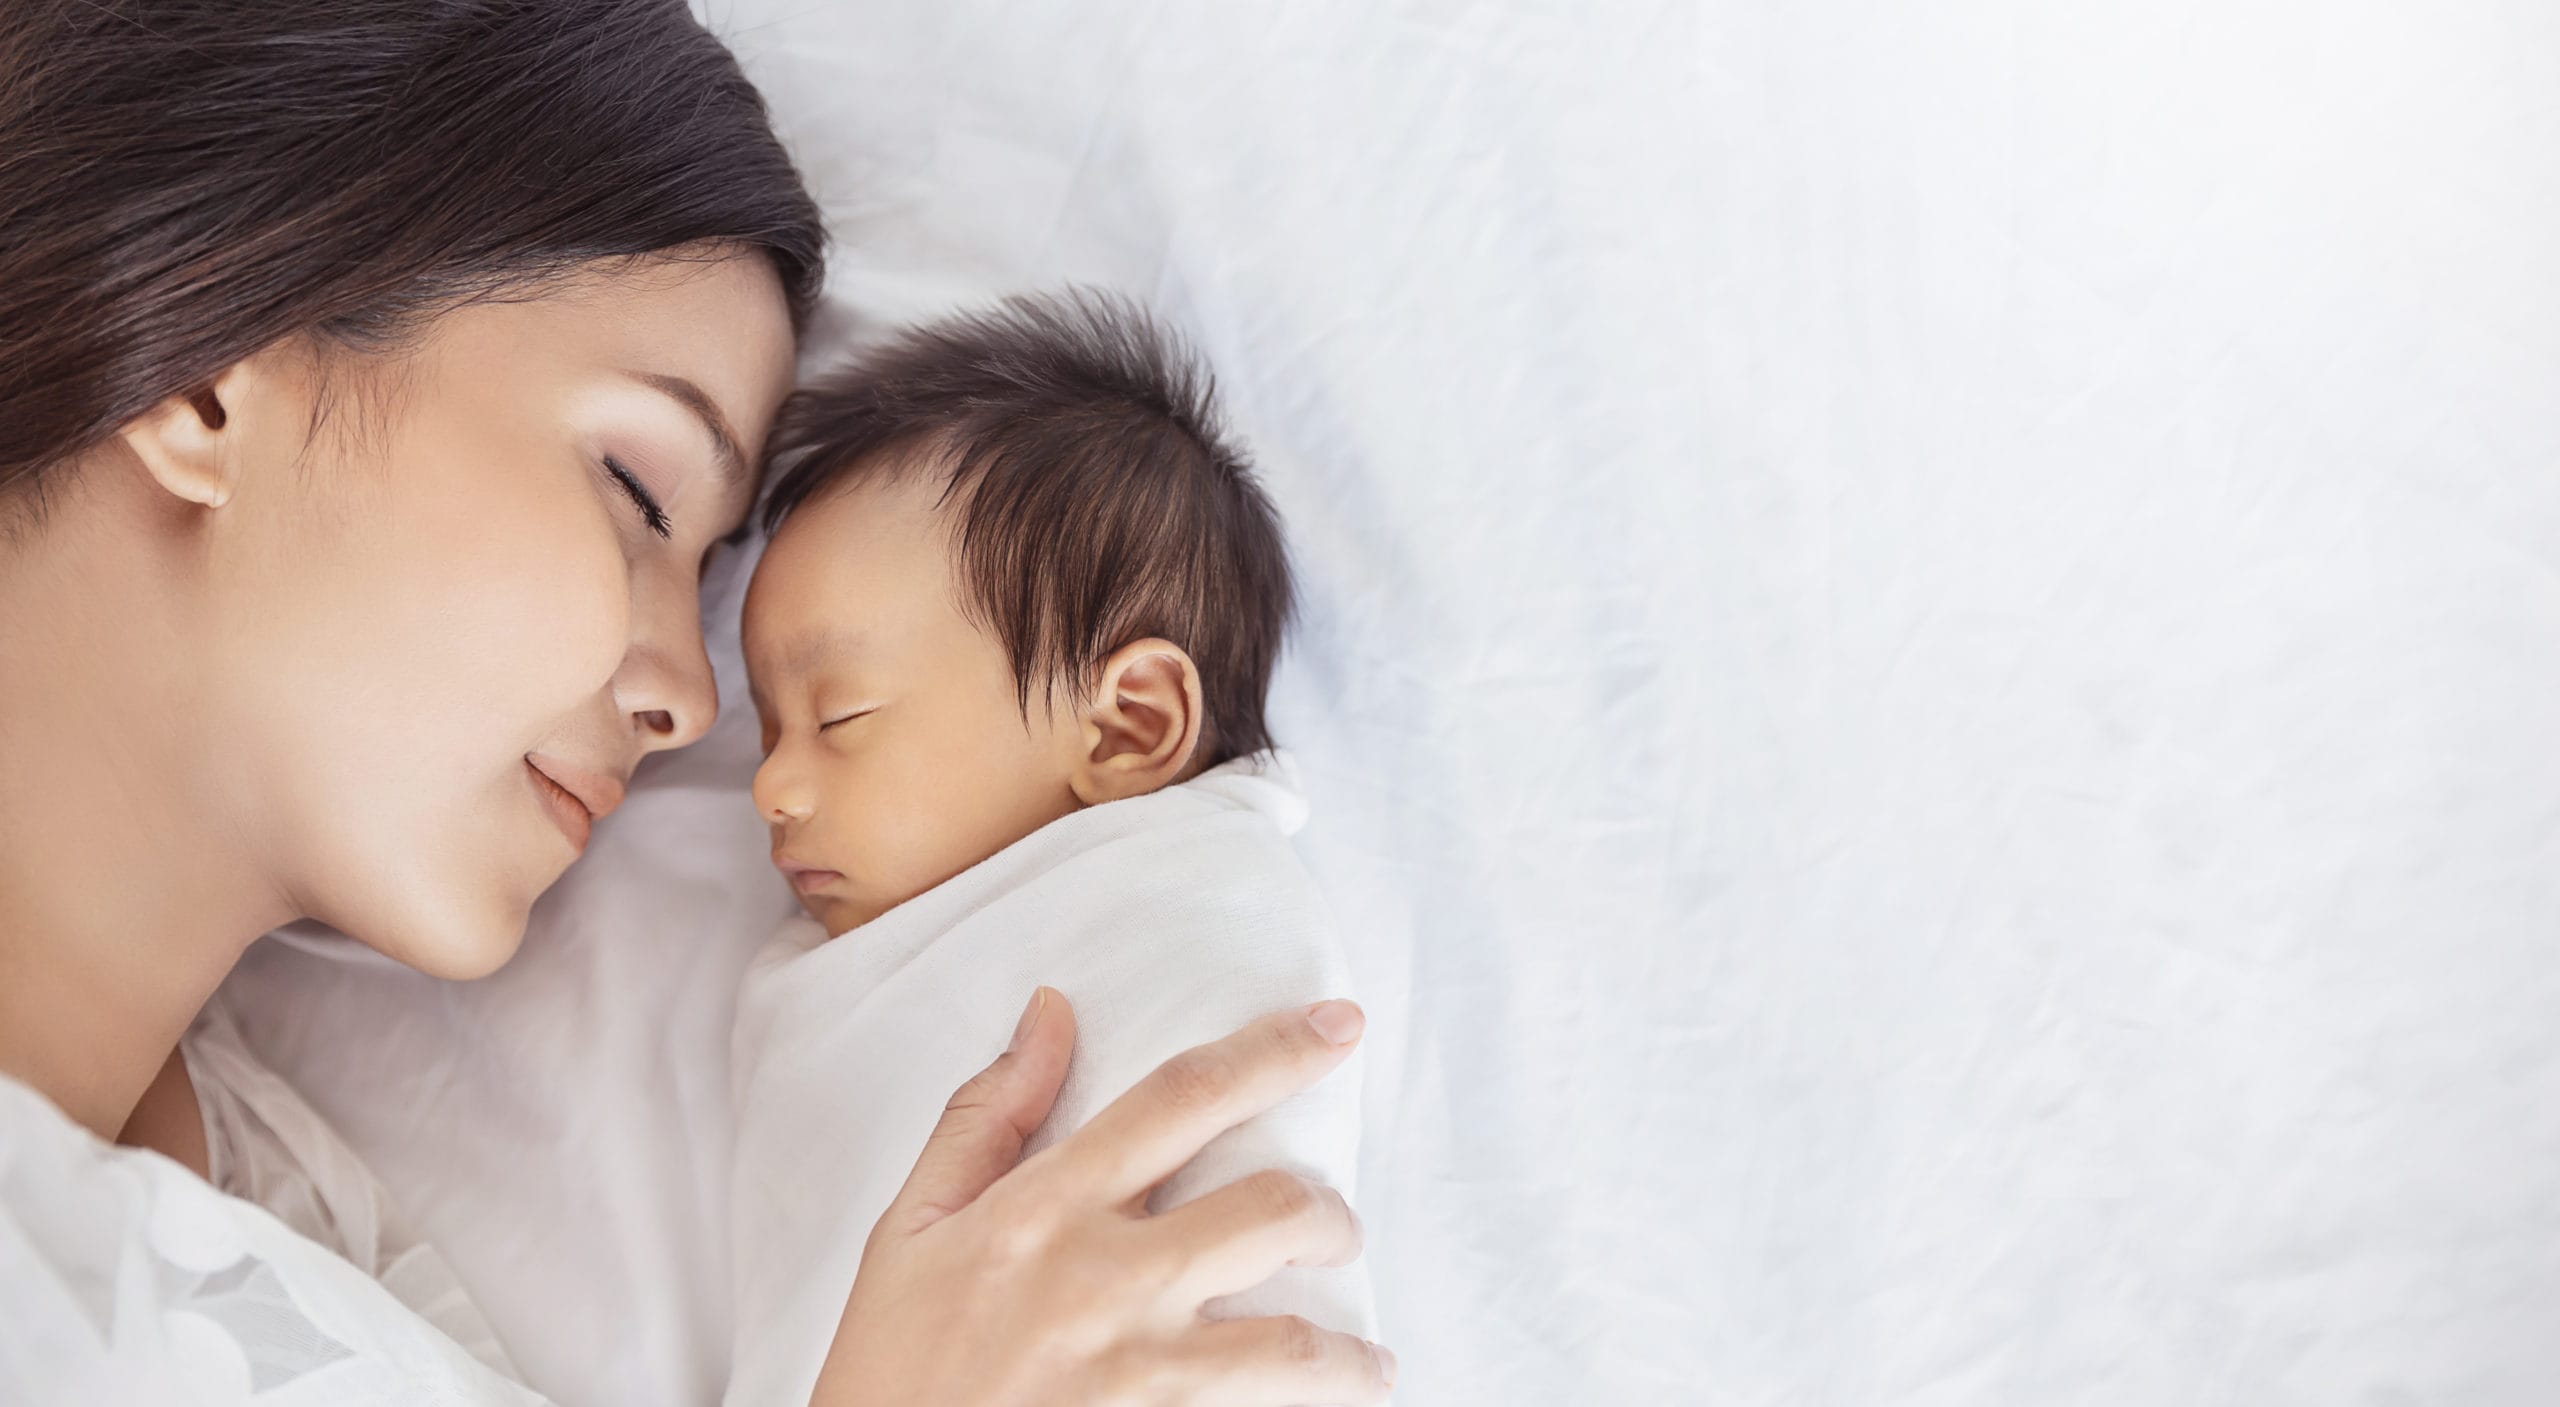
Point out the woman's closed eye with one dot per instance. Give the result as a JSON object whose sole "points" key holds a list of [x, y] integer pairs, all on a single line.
{"points": [[825, 724], [650, 512]]}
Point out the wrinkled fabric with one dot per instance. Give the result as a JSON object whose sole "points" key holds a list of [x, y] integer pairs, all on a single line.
{"points": [[265, 1145], [126, 1278], [1924, 666]]}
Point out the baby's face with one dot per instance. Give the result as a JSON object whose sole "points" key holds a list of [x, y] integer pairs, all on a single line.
{"points": [[896, 750]]}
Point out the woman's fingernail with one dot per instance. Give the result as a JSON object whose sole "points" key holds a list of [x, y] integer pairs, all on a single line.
{"points": [[1337, 1021], [1386, 1362], [1030, 1018]]}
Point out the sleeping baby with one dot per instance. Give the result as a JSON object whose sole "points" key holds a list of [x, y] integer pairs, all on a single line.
{"points": [[1009, 646]]}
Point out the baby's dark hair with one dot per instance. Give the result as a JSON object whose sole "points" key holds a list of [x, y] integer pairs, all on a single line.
{"points": [[1096, 501]]}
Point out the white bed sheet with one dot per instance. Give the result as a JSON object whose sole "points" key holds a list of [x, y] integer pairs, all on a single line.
{"points": [[1927, 674]]}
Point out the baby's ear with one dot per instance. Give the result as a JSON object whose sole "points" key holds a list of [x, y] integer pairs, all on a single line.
{"points": [[1142, 726]]}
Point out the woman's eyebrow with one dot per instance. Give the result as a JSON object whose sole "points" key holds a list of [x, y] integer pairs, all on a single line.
{"points": [[724, 445]]}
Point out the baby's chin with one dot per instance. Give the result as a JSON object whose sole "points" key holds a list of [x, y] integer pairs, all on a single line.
{"points": [[839, 913]]}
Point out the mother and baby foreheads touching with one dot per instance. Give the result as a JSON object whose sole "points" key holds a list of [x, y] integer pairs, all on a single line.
{"points": [[1015, 570]]}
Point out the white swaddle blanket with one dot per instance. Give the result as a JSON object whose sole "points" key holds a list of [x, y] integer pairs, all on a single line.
{"points": [[1167, 920]]}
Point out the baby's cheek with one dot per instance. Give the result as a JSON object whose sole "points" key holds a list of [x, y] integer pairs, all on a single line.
{"points": [[922, 854], [876, 832], [926, 800], [931, 826]]}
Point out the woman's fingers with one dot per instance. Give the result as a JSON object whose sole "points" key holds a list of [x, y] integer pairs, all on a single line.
{"points": [[983, 1127], [1141, 1138], [1235, 1237], [1052, 1279], [1282, 1362]]}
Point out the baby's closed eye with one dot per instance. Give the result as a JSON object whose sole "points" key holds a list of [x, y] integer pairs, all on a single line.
{"points": [[848, 717]]}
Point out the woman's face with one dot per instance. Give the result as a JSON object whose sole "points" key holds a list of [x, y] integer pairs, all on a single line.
{"points": [[443, 628]]}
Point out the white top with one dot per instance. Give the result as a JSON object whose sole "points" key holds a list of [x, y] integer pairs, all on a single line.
{"points": [[126, 1278], [265, 1144]]}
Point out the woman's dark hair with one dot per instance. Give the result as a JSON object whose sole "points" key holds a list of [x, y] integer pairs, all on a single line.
{"points": [[183, 182]]}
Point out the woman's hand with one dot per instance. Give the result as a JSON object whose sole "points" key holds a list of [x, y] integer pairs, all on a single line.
{"points": [[989, 1285]]}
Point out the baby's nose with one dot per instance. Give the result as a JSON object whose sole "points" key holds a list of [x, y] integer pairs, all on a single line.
{"points": [[782, 807], [779, 795]]}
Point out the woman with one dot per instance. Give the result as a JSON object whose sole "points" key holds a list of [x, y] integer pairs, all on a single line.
{"points": [[374, 377]]}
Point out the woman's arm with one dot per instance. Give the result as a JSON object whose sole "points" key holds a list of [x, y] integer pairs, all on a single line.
{"points": [[988, 1284]]}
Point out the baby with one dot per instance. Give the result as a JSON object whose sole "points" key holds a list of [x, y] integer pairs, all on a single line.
{"points": [[1009, 646]]}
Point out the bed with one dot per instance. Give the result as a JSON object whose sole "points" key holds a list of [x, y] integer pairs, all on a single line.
{"points": [[1926, 676]]}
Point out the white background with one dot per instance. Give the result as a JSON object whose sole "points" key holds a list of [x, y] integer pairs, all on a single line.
{"points": [[1927, 677]]}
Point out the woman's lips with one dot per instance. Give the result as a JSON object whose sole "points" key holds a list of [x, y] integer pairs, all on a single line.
{"points": [[573, 795], [598, 792], [564, 809]]}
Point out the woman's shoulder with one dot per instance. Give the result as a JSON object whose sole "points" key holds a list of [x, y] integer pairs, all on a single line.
{"points": [[128, 1278]]}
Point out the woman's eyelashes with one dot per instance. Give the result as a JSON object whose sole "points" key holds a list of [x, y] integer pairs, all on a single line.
{"points": [[650, 512]]}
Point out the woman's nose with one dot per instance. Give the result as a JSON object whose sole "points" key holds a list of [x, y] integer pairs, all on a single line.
{"points": [[665, 685]]}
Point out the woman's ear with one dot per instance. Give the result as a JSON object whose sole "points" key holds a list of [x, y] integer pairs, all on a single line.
{"points": [[189, 443], [1143, 725]]}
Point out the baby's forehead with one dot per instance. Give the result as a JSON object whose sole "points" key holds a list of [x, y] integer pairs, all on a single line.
{"points": [[805, 652], [893, 492], [859, 554], [787, 646]]}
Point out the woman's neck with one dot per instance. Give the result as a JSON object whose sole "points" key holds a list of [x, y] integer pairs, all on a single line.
{"points": [[123, 899]]}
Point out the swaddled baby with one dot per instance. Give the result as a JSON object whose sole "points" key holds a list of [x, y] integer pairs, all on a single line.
{"points": [[1009, 646]]}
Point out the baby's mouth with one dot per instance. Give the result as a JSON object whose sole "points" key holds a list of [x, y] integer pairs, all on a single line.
{"points": [[806, 879]]}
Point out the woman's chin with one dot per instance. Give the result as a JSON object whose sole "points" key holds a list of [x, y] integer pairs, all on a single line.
{"points": [[469, 962], [456, 946], [447, 898]]}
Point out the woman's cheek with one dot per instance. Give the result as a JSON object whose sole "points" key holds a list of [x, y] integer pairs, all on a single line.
{"points": [[532, 624], [489, 639]]}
